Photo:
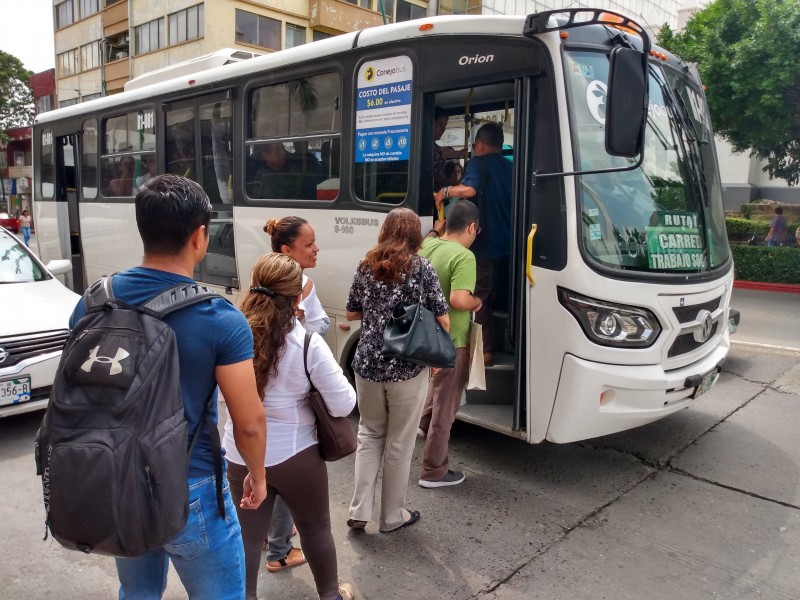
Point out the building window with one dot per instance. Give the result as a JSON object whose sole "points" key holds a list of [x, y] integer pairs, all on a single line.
{"points": [[89, 7], [70, 102], [257, 30], [68, 63], [66, 13], [90, 56], [186, 24], [295, 35], [88, 97], [319, 35], [407, 11], [150, 36], [43, 104]]}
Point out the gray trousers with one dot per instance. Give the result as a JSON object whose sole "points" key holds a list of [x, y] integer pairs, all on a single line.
{"points": [[387, 430]]}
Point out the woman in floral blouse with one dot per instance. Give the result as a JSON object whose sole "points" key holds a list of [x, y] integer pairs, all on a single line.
{"points": [[391, 391]]}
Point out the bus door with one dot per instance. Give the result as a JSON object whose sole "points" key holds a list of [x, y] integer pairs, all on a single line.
{"points": [[501, 407], [66, 190], [199, 145]]}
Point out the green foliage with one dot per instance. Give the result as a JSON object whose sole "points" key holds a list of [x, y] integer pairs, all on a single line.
{"points": [[746, 210], [743, 229], [16, 98], [746, 52], [770, 265]]}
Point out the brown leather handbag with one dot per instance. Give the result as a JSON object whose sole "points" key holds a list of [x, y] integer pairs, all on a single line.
{"points": [[334, 435]]}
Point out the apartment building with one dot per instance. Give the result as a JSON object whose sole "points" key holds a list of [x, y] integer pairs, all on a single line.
{"points": [[101, 44]]}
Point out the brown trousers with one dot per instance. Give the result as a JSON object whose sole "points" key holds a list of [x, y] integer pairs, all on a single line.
{"points": [[302, 482], [441, 406]]}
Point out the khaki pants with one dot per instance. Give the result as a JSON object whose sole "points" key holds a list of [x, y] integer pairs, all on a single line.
{"points": [[441, 406], [387, 429]]}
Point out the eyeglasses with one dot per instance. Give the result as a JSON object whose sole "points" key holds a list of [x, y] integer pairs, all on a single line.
{"points": [[478, 229]]}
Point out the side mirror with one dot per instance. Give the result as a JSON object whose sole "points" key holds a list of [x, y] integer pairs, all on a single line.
{"points": [[60, 266], [626, 110]]}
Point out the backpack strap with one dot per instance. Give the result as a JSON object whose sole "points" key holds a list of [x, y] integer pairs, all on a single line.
{"points": [[97, 294], [306, 344], [178, 297]]}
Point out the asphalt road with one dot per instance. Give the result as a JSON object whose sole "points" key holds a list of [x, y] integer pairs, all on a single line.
{"points": [[703, 504]]}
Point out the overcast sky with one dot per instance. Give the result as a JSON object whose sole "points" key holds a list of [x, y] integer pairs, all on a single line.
{"points": [[26, 31]]}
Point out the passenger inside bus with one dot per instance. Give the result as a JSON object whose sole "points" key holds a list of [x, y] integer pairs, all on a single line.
{"points": [[122, 185], [271, 172]]}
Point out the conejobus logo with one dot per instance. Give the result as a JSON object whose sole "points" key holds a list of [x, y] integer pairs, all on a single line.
{"points": [[369, 74], [475, 60]]}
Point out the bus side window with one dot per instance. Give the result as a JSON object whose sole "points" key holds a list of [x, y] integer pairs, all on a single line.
{"points": [[293, 139], [180, 142], [216, 143]]}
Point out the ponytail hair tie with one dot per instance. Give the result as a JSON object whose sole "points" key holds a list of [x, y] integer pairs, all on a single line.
{"points": [[263, 290]]}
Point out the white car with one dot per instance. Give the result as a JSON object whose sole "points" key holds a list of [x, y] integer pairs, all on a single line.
{"points": [[34, 324]]}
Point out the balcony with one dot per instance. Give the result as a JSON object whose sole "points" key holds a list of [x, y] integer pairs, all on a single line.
{"points": [[115, 19], [116, 74], [341, 17]]}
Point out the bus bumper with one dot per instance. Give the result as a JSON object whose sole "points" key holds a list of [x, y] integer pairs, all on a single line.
{"points": [[595, 399]]}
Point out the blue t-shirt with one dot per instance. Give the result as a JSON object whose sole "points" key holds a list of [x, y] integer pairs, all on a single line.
{"points": [[209, 334], [491, 174]]}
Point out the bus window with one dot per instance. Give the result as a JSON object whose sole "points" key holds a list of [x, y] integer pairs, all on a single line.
{"points": [[89, 160], [216, 143], [126, 139], [293, 140], [181, 143], [47, 173], [383, 129]]}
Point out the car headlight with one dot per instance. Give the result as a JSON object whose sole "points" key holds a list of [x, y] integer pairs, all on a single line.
{"points": [[610, 324]]}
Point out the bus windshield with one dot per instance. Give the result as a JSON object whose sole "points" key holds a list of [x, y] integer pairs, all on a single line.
{"points": [[666, 215]]}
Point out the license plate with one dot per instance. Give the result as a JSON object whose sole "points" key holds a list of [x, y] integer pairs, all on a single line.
{"points": [[708, 382], [14, 391]]}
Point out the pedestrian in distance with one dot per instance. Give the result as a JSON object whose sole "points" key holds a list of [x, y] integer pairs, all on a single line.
{"points": [[25, 225], [487, 182], [778, 229], [215, 349], [391, 391], [455, 265], [293, 465], [294, 237]]}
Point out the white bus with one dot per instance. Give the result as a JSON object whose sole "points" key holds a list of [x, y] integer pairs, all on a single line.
{"points": [[615, 302]]}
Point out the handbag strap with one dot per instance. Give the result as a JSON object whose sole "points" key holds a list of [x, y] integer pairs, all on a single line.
{"points": [[306, 343]]}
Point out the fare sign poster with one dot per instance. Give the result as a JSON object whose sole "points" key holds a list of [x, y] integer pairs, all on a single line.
{"points": [[675, 242], [383, 110]]}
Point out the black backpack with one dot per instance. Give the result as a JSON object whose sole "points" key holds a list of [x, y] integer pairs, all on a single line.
{"points": [[112, 448]]}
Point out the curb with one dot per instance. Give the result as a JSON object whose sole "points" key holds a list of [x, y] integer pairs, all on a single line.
{"points": [[788, 288]]}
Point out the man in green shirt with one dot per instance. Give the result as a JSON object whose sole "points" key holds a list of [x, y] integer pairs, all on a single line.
{"points": [[455, 264]]}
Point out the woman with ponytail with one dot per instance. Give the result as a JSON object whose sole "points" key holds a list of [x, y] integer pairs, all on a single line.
{"points": [[294, 468]]}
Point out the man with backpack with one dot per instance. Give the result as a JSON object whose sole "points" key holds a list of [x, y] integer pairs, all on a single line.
{"points": [[214, 348]]}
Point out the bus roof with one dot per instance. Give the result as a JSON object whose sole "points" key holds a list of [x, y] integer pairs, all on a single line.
{"points": [[374, 36]]}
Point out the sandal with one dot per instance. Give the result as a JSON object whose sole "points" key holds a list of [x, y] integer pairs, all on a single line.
{"points": [[353, 524], [413, 518], [293, 559]]}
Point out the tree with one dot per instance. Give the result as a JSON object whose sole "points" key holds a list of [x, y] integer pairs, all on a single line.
{"points": [[16, 97], [746, 52]]}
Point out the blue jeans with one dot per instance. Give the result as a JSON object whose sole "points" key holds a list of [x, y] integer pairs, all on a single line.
{"points": [[279, 541], [26, 234], [208, 554]]}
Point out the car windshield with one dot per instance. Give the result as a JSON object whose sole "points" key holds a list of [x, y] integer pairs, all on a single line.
{"points": [[16, 263], [666, 215]]}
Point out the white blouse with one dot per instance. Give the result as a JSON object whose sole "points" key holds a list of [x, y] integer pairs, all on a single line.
{"points": [[291, 425], [314, 317]]}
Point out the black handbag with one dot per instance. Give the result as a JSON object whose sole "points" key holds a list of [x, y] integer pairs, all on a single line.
{"points": [[334, 435], [412, 333]]}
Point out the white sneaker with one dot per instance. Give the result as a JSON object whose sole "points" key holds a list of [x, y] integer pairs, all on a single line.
{"points": [[450, 478], [421, 435]]}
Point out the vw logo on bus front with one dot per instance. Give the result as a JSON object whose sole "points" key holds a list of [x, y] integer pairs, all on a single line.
{"points": [[702, 334], [3, 355]]}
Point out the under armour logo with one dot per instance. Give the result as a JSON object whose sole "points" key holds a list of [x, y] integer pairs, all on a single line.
{"points": [[115, 369]]}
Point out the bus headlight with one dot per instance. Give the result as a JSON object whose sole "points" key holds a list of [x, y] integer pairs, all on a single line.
{"points": [[611, 324]]}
